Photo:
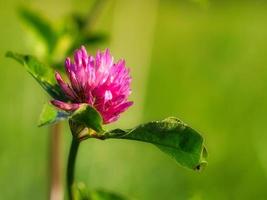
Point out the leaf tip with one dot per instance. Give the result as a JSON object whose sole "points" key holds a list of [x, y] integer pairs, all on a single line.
{"points": [[203, 162], [201, 166], [9, 54], [15, 56]]}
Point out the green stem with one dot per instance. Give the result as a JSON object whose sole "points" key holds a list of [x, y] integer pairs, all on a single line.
{"points": [[71, 166]]}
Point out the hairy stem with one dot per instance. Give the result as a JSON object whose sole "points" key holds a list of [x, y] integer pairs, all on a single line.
{"points": [[71, 166]]}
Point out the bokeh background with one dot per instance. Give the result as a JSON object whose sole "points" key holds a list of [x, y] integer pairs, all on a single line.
{"points": [[202, 61]]}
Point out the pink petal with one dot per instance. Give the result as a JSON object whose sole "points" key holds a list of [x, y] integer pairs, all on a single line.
{"points": [[65, 87], [65, 106]]}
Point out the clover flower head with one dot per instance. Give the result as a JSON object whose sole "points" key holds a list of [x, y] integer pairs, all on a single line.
{"points": [[97, 81]]}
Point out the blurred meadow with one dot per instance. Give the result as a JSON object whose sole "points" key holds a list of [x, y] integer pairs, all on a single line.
{"points": [[202, 61]]}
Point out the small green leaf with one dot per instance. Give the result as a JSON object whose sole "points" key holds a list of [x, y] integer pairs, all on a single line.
{"points": [[94, 38], [43, 74], [171, 136], [105, 195], [51, 115], [81, 192], [89, 39], [89, 117], [40, 26]]}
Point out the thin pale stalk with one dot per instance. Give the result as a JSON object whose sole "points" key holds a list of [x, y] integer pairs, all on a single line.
{"points": [[56, 184]]}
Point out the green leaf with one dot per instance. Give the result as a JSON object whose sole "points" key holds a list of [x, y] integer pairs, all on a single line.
{"points": [[89, 117], [94, 38], [88, 39], [82, 193], [40, 26], [171, 136], [51, 115], [43, 74], [105, 195]]}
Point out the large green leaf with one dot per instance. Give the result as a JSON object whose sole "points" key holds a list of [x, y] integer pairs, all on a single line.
{"points": [[43, 74], [40, 26], [171, 136], [89, 117], [51, 115]]}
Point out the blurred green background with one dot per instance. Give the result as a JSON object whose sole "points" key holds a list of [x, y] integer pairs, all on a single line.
{"points": [[202, 61]]}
